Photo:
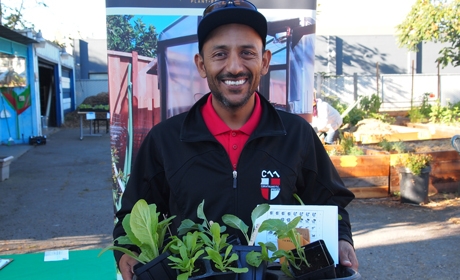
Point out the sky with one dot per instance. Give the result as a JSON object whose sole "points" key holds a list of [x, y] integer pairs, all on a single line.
{"points": [[63, 18], [84, 19]]}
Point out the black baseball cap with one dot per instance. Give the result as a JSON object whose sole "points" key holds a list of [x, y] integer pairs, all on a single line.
{"points": [[227, 12]]}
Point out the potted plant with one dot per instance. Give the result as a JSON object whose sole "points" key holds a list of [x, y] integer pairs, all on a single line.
{"points": [[145, 230], [222, 261], [186, 255], [311, 261], [414, 173], [301, 260], [253, 257]]}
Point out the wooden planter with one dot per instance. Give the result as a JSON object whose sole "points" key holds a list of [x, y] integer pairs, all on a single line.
{"points": [[367, 176], [375, 174]]}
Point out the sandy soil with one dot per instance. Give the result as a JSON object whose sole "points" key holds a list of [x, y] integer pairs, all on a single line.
{"points": [[378, 127]]}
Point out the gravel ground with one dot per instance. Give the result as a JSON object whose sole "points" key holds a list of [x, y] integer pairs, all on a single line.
{"points": [[59, 196]]}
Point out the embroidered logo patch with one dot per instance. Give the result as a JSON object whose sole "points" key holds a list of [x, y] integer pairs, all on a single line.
{"points": [[270, 184]]}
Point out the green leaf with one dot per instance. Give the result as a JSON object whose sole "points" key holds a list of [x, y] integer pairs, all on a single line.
{"points": [[144, 222], [186, 226], [238, 269], [254, 258], [124, 240], [183, 276], [121, 249], [275, 225], [200, 212], [127, 227], [214, 255], [259, 211], [235, 222], [293, 224]]}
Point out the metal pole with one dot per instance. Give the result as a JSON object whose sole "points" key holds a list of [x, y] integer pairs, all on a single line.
{"points": [[412, 87], [377, 77], [439, 84]]}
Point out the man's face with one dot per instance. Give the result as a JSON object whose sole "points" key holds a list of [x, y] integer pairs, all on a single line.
{"points": [[233, 62]]}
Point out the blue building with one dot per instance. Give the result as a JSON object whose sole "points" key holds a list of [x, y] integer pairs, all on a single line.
{"points": [[36, 85]]}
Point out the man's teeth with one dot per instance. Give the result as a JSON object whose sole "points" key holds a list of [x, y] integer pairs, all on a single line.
{"points": [[234, 83]]}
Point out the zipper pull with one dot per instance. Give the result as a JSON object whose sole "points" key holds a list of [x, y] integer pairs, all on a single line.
{"points": [[235, 174]]}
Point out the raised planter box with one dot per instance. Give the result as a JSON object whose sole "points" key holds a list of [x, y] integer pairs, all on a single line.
{"points": [[367, 176]]}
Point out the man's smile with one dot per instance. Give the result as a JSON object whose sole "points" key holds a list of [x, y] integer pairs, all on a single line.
{"points": [[235, 82]]}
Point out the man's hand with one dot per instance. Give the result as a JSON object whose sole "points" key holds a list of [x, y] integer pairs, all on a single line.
{"points": [[347, 255], [126, 266]]}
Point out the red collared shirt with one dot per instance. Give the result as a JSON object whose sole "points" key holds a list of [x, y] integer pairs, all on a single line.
{"points": [[232, 140]]}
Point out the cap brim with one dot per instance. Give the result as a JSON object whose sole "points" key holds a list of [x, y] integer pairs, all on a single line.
{"points": [[231, 15]]}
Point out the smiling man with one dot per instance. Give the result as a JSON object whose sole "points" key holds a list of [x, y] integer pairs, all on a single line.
{"points": [[233, 149]]}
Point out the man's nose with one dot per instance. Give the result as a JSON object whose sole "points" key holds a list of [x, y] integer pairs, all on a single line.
{"points": [[234, 64]]}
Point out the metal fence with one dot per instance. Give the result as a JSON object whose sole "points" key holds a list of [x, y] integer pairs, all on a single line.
{"points": [[396, 91], [86, 88]]}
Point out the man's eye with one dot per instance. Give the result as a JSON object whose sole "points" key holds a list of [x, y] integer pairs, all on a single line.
{"points": [[247, 53], [219, 54]]}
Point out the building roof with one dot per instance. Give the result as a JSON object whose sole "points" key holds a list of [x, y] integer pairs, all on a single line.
{"points": [[15, 36]]}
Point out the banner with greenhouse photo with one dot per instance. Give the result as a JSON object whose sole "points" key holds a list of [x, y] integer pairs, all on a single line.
{"points": [[152, 75]]}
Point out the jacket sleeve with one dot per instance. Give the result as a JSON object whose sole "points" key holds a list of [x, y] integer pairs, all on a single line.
{"points": [[146, 181], [320, 184]]}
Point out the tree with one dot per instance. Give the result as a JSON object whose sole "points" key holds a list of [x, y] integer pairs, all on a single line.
{"points": [[433, 21], [126, 37], [13, 18]]}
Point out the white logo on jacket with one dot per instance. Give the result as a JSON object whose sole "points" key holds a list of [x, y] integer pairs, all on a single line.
{"points": [[270, 184]]}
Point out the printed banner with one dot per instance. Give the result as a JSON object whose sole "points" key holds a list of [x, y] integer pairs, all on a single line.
{"points": [[152, 75]]}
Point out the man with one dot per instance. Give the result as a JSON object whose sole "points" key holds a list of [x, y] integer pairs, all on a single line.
{"points": [[327, 120], [231, 139]]}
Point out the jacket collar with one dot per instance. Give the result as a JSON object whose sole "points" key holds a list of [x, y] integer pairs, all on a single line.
{"points": [[194, 128]]}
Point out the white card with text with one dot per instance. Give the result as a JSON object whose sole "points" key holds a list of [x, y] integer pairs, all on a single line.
{"points": [[321, 221]]}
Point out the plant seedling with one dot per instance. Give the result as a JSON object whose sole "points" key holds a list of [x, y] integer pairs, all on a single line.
{"points": [[143, 229], [215, 241], [186, 252]]}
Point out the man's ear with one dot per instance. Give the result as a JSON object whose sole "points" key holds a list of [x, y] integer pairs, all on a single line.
{"points": [[200, 65], [266, 58]]}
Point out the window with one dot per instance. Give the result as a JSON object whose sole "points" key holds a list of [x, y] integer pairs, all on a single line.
{"points": [[13, 72]]}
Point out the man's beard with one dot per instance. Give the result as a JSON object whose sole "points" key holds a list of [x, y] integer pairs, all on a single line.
{"points": [[227, 103]]}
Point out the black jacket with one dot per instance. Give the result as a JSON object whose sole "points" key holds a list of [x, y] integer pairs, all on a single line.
{"points": [[180, 163]]}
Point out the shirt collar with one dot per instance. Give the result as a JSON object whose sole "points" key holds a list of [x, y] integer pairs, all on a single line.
{"points": [[217, 126]]}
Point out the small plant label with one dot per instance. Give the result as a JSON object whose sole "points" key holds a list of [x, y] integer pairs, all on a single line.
{"points": [[57, 255], [320, 220]]}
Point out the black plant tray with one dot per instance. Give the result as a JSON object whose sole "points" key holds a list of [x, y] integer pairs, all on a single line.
{"points": [[211, 274], [342, 273], [254, 273], [157, 269]]}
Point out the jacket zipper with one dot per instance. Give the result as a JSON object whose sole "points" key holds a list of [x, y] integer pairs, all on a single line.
{"points": [[235, 174]]}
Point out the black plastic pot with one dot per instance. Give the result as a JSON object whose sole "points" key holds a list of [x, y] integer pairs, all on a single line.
{"points": [[321, 263], [213, 274], [157, 269], [414, 188], [342, 273], [254, 273]]}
